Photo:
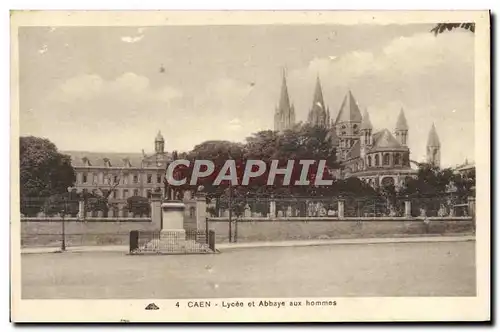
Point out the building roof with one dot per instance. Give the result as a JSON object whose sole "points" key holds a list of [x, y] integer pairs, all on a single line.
{"points": [[159, 137], [125, 159], [355, 151], [366, 123], [401, 124], [433, 139], [384, 140], [349, 110]]}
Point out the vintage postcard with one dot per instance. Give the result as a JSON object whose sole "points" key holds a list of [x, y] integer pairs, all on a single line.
{"points": [[175, 166]]}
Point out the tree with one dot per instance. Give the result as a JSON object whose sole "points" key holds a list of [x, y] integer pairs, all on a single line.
{"points": [[442, 27], [43, 172], [138, 205], [66, 203]]}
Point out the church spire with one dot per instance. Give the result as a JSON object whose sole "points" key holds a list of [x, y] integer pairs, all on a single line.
{"points": [[433, 139], [318, 115], [402, 128], [401, 124], [433, 148], [284, 97], [284, 116]]}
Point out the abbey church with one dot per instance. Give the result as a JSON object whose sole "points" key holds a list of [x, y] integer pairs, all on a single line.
{"points": [[379, 157]]}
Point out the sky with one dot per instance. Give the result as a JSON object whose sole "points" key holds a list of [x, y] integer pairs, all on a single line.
{"points": [[113, 88]]}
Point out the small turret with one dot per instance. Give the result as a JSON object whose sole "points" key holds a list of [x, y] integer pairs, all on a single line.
{"points": [[159, 143], [402, 129], [433, 148]]}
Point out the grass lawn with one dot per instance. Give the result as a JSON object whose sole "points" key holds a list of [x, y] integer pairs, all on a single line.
{"points": [[404, 269]]}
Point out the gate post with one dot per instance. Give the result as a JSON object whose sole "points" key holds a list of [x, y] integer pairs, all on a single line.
{"points": [[407, 208], [341, 208], [201, 212]]}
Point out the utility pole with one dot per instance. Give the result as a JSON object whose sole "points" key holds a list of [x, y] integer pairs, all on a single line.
{"points": [[230, 211], [63, 230]]}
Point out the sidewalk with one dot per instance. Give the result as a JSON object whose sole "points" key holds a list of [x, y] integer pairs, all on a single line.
{"points": [[247, 245]]}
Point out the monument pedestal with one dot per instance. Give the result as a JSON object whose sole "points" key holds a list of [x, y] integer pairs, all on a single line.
{"points": [[172, 233]]}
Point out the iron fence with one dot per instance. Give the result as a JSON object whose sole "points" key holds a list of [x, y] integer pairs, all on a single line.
{"points": [[59, 207], [171, 242], [354, 206]]}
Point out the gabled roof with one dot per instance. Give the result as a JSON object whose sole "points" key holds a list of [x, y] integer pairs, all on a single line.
{"points": [[349, 110], [401, 124], [384, 140], [433, 139]]}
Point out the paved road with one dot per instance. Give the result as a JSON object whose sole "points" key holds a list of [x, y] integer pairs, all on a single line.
{"points": [[385, 269]]}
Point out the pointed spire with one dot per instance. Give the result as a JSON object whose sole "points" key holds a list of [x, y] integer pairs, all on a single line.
{"points": [[349, 110], [401, 124], [284, 103], [318, 95], [433, 139], [366, 124]]}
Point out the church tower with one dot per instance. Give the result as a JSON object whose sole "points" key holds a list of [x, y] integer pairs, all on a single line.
{"points": [[366, 138], [433, 148], [159, 143], [319, 115], [284, 115], [347, 124], [402, 129]]}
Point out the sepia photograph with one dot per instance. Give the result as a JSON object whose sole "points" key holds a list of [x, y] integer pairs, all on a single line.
{"points": [[202, 166]]}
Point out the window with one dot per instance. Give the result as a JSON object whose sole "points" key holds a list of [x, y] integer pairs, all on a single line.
{"points": [[386, 159], [115, 179], [84, 178], [150, 178], [355, 126], [136, 179], [148, 193], [158, 178], [192, 212], [343, 127], [343, 133], [397, 159], [115, 193], [94, 192], [377, 161], [136, 192], [125, 193], [369, 161], [125, 179]]}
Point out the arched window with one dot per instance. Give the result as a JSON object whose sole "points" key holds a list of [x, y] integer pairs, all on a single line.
{"points": [[192, 212], [343, 133], [397, 159], [355, 126], [377, 160], [369, 161], [386, 159], [343, 127]]}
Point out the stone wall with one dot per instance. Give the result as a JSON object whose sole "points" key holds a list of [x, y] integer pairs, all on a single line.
{"points": [[249, 230], [92, 231]]}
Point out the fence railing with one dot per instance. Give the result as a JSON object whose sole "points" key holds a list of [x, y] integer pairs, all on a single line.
{"points": [[436, 206], [170, 242], [73, 208]]}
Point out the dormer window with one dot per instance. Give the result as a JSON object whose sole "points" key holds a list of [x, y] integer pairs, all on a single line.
{"points": [[126, 162], [86, 161], [107, 162]]}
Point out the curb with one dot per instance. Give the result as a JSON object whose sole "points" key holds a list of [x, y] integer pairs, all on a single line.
{"points": [[256, 245]]}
